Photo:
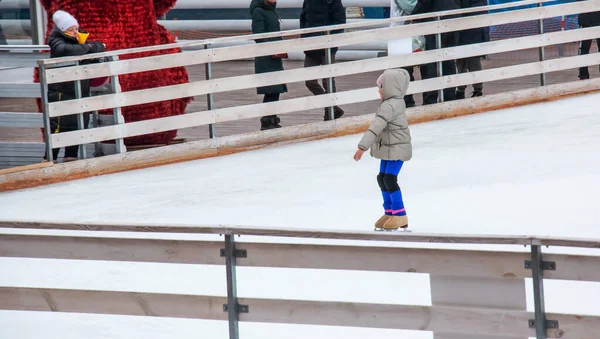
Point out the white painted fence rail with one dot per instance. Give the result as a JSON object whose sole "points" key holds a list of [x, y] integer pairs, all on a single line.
{"points": [[488, 299], [212, 55]]}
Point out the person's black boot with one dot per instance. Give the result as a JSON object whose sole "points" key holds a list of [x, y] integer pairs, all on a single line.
{"points": [[269, 122], [460, 95], [337, 113]]}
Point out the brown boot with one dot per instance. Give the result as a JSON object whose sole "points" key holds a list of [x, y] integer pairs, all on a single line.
{"points": [[395, 222], [69, 159], [381, 221]]}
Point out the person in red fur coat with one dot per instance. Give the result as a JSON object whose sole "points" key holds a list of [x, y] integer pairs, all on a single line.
{"points": [[126, 24]]}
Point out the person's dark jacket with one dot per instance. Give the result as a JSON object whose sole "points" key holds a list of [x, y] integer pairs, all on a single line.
{"points": [[62, 45], [590, 19], [432, 6], [266, 20], [474, 35], [318, 13]]}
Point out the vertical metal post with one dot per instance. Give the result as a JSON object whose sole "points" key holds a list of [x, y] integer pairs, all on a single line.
{"points": [[38, 30], [541, 49], [47, 131], [80, 120], [232, 302], [329, 88], [115, 87], [440, 69], [561, 47], [209, 96], [537, 273]]}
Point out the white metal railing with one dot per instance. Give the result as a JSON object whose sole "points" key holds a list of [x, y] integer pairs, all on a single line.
{"points": [[292, 33], [473, 292], [211, 86]]}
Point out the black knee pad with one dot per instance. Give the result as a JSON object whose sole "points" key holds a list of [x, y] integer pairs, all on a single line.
{"points": [[380, 181], [391, 182]]}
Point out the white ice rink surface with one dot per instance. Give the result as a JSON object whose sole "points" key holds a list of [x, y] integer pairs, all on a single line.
{"points": [[532, 170]]}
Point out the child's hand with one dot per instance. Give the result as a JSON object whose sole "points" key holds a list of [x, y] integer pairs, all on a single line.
{"points": [[358, 154]]}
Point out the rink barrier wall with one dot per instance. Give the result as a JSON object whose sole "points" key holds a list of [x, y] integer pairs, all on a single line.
{"points": [[473, 292], [228, 145], [300, 44], [32, 176], [295, 33]]}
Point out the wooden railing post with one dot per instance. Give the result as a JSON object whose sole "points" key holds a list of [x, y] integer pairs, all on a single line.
{"points": [[461, 291]]}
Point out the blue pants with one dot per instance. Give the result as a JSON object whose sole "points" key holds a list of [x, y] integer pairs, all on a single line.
{"points": [[388, 183]]}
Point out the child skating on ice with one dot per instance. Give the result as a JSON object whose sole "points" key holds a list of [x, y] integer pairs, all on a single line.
{"points": [[389, 139]]}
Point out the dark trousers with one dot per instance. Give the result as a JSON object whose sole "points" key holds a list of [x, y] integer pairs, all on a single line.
{"points": [[429, 71], [270, 119], [313, 85], [472, 64], [66, 123], [409, 100], [584, 48]]}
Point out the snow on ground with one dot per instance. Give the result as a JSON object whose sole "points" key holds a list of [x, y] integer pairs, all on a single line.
{"points": [[532, 170]]}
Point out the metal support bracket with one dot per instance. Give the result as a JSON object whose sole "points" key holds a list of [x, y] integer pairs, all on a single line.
{"points": [[237, 253], [550, 324], [546, 265], [240, 308]]}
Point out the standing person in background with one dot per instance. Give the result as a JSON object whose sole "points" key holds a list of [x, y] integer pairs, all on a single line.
{"points": [[449, 39], [467, 37], [266, 20], [67, 39], [317, 13], [403, 8], [591, 19]]}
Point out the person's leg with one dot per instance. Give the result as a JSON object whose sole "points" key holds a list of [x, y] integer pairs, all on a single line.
{"points": [[337, 111], [409, 100], [54, 127], [313, 85], [270, 121], [461, 67], [429, 71], [449, 66], [387, 199], [474, 65], [390, 180], [584, 48]]}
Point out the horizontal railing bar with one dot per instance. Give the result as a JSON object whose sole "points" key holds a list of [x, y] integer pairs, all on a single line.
{"points": [[302, 74], [300, 31], [458, 320], [305, 233], [466, 263], [270, 48]]}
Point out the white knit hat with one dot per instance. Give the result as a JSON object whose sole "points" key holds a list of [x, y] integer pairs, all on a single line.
{"points": [[64, 20]]}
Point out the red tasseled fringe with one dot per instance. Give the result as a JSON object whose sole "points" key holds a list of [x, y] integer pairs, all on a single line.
{"points": [[128, 24]]}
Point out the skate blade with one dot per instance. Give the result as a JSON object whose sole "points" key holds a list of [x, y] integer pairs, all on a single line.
{"points": [[401, 230]]}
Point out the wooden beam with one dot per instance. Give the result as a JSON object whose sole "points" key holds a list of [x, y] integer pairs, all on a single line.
{"points": [[347, 68], [340, 69], [283, 136], [297, 233], [26, 168], [107, 302], [111, 249], [309, 102], [475, 264], [473, 321], [247, 37]]}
